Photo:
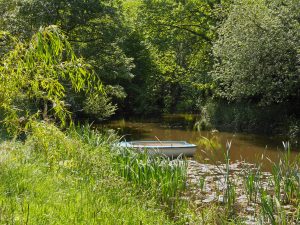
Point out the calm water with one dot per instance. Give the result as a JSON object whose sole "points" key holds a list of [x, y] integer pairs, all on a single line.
{"points": [[180, 127]]}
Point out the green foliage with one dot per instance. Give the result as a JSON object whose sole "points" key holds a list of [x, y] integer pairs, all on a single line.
{"points": [[286, 177], [94, 28], [36, 76], [99, 106], [201, 183], [245, 116], [267, 208], [179, 47], [54, 178], [250, 186], [140, 98], [256, 52], [165, 178], [229, 192], [164, 56], [210, 144], [7, 43]]}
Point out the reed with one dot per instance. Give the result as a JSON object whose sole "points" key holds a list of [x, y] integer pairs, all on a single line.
{"points": [[250, 185], [201, 183], [281, 214], [229, 193], [277, 179], [291, 176], [165, 178], [267, 208], [272, 210], [286, 177], [298, 214]]}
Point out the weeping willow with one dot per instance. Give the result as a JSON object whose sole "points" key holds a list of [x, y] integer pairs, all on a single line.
{"points": [[35, 78]]}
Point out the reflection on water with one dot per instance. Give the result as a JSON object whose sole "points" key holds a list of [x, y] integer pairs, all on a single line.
{"points": [[180, 127]]}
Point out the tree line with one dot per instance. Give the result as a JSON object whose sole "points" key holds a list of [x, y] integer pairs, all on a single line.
{"points": [[236, 62]]}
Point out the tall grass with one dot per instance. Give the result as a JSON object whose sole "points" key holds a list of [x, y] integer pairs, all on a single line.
{"points": [[286, 178], [229, 192], [164, 178], [159, 176], [252, 181], [286, 183], [59, 178]]}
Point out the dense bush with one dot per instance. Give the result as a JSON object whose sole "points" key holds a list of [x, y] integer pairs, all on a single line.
{"points": [[248, 117], [257, 52]]}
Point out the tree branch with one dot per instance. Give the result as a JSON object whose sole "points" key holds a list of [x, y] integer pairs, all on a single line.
{"points": [[186, 29]]}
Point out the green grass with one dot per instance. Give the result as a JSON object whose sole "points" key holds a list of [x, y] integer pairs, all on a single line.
{"points": [[80, 177], [163, 177], [54, 178]]}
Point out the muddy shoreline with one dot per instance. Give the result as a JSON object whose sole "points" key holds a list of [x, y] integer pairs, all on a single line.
{"points": [[207, 185]]}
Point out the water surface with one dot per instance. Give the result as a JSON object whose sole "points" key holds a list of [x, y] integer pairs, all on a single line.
{"points": [[246, 147]]}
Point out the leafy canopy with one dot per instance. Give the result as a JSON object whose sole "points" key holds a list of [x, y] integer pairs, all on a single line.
{"points": [[36, 76], [257, 52], [95, 29], [178, 37]]}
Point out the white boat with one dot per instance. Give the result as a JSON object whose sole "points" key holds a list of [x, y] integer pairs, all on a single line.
{"points": [[168, 148]]}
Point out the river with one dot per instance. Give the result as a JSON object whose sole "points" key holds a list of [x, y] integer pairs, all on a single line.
{"points": [[246, 147]]}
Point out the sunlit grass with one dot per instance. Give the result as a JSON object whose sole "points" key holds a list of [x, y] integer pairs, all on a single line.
{"points": [[164, 178], [55, 178], [81, 177]]}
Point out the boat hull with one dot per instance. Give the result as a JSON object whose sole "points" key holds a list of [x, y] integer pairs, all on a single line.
{"points": [[167, 148]]}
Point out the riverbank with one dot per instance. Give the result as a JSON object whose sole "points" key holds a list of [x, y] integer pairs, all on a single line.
{"points": [[244, 193], [59, 177], [80, 177]]}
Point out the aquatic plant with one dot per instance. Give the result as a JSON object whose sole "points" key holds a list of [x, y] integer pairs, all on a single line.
{"points": [[210, 145], [253, 182], [92, 136], [250, 185], [272, 210], [204, 122], [298, 214], [281, 214], [286, 177], [267, 207], [164, 177], [201, 183], [291, 176], [229, 193], [277, 178]]}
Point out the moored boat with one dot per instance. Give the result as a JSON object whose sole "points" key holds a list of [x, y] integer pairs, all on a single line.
{"points": [[168, 148]]}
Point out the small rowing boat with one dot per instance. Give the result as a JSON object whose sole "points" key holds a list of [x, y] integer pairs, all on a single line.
{"points": [[168, 148]]}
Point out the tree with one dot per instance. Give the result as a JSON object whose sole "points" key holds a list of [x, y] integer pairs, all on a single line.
{"points": [[178, 37], [35, 78], [256, 52], [95, 30]]}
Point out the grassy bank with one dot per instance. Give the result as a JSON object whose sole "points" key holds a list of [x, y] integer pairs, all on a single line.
{"points": [[59, 178], [80, 177]]}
